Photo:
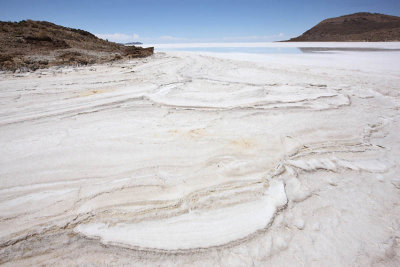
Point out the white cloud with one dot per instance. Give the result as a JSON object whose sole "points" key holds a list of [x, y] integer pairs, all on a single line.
{"points": [[119, 37], [265, 38]]}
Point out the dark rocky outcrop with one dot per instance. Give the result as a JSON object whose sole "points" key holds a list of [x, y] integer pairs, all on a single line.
{"points": [[32, 44], [370, 27]]}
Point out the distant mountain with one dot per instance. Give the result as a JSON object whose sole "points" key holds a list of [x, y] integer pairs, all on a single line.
{"points": [[134, 43], [32, 44], [371, 27]]}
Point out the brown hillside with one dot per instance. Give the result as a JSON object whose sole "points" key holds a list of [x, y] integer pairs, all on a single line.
{"points": [[370, 27], [38, 44]]}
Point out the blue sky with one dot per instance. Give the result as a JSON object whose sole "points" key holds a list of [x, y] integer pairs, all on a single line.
{"points": [[166, 21]]}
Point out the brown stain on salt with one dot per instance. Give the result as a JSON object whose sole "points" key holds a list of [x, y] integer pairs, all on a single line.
{"points": [[94, 92], [243, 143]]}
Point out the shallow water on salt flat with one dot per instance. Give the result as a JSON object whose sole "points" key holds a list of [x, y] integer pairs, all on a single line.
{"points": [[277, 50], [252, 50], [281, 48]]}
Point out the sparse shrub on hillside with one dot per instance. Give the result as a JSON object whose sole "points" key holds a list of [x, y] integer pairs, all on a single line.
{"points": [[4, 58], [82, 32], [39, 36]]}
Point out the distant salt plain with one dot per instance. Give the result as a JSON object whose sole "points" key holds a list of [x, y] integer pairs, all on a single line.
{"points": [[205, 157], [281, 47], [370, 56]]}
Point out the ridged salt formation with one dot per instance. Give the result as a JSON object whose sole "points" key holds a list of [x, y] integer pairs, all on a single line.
{"points": [[186, 159]]}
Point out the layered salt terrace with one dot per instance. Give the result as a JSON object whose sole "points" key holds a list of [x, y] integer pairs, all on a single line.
{"points": [[201, 158]]}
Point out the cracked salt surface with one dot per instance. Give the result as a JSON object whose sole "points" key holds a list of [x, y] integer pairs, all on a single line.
{"points": [[203, 159]]}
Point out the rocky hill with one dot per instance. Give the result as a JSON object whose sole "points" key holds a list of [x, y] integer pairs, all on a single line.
{"points": [[38, 44], [370, 27]]}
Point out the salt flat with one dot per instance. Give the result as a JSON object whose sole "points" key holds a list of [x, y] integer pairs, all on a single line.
{"points": [[203, 159]]}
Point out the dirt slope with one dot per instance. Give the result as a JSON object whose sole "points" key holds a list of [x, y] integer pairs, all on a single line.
{"points": [[39, 44]]}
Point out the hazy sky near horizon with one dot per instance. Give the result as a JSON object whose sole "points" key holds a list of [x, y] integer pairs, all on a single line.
{"points": [[169, 21]]}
